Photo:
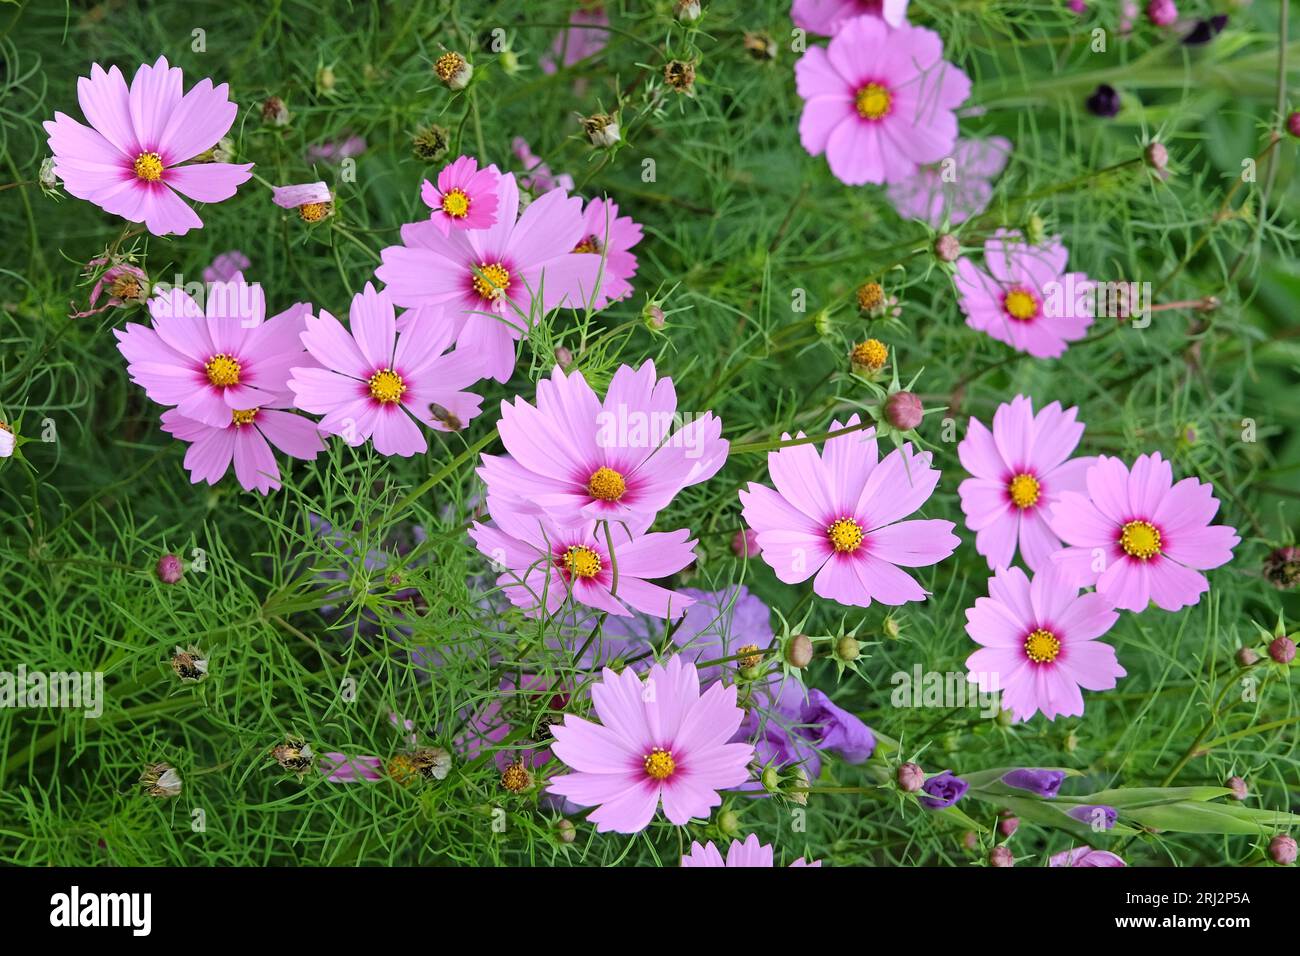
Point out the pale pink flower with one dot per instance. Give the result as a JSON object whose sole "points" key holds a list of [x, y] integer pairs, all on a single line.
{"points": [[879, 102], [129, 160], [610, 236], [838, 515], [658, 740], [1019, 470], [941, 193], [374, 383], [1139, 537], [825, 17], [465, 196], [1026, 299], [1040, 643], [246, 440], [748, 854]]}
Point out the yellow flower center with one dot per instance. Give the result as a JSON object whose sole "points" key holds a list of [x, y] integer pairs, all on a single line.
{"points": [[456, 204], [870, 296], [222, 370], [590, 244], [386, 386], [871, 354], [448, 65], [1041, 646], [1024, 491], [516, 778], [1140, 540], [845, 534], [313, 211], [491, 281], [149, 167], [874, 101], [749, 656], [582, 562], [659, 764], [606, 484], [242, 416], [1020, 305]]}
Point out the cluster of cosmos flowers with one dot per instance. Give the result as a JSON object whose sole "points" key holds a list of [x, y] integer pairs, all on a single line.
{"points": [[570, 507]]}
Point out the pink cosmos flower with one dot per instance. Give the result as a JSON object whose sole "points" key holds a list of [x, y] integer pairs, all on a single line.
{"points": [[1039, 643], [933, 198], [825, 17], [577, 458], [128, 161], [301, 194], [1028, 301], [1085, 856], [658, 739], [586, 35], [465, 197], [537, 176], [879, 102], [489, 285], [544, 563], [336, 150], [226, 266], [610, 236], [377, 384], [217, 360], [246, 439], [1019, 470], [749, 854], [837, 515], [1139, 537]]}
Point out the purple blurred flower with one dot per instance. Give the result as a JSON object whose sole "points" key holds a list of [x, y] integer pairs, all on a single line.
{"points": [[336, 150], [1098, 816], [226, 266], [1085, 856], [1043, 783], [943, 790]]}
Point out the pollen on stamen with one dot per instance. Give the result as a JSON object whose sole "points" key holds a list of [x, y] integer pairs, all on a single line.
{"points": [[492, 280], [874, 101], [223, 370], [1021, 304], [1140, 539], [589, 244], [149, 167], [1024, 491], [659, 764], [386, 386], [455, 203], [846, 535], [242, 416], [606, 484], [1041, 646], [582, 562]]}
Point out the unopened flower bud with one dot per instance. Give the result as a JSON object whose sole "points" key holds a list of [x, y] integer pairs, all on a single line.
{"points": [[799, 652], [970, 840], [48, 178], [729, 822], [325, 79], [1005, 718], [453, 70], [563, 357], [1000, 856], [1157, 157], [1162, 12], [903, 411], [170, 570], [947, 248], [566, 831], [687, 11], [1281, 850], [1293, 124], [1035, 229], [1246, 657], [890, 628], [1104, 101], [910, 777], [745, 543], [1238, 788], [847, 648], [1282, 650], [653, 317], [1008, 825], [770, 779]]}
